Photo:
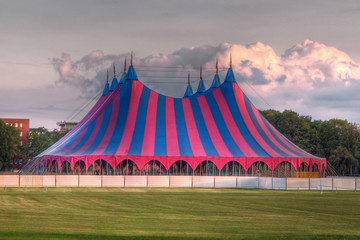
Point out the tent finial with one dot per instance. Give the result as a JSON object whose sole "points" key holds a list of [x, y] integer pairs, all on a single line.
{"points": [[107, 76], [201, 72], [125, 65], [217, 68], [114, 71], [131, 63], [230, 61], [188, 78]]}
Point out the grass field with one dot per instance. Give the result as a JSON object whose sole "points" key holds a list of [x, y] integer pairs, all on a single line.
{"points": [[177, 214]]}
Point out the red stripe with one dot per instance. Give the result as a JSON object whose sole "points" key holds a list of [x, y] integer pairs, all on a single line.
{"points": [[93, 135], [111, 126], [194, 138], [264, 128], [212, 128], [150, 126], [136, 91], [172, 145], [231, 125], [292, 145], [77, 140], [239, 95]]}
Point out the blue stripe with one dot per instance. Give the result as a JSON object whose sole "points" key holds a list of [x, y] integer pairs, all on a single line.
{"points": [[260, 130], [203, 132], [67, 144], [221, 125], [281, 142], [125, 95], [182, 134], [138, 136], [84, 139], [228, 92], [101, 132], [160, 134]]}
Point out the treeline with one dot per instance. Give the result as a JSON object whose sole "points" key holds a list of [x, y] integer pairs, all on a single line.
{"points": [[38, 140], [336, 140]]}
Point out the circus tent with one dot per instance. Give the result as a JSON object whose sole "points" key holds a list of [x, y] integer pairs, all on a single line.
{"points": [[131, 122]]}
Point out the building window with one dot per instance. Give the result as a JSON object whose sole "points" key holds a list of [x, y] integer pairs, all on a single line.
{"points": [[20, 134], [20, 125], [16, 125]]}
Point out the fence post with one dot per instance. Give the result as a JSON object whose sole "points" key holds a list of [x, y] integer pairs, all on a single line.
{"points": [[355, 184]]}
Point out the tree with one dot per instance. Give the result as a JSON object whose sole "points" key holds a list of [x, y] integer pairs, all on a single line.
{"points": [[336, 132], [9, 145], [321, 138], [343, 161], [296, 128], [38, 140]]}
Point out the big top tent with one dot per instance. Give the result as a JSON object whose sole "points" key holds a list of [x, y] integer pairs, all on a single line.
{"points": [[134, 130]]}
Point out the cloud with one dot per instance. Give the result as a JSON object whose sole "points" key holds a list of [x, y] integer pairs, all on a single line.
{"points": [[88, 73], [306, 75]]}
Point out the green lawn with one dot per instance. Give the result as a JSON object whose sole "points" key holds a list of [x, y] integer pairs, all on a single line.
{"points": [[177, 214]]}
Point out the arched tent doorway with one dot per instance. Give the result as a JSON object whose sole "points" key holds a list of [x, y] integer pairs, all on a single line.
{"points": [[206, 168], [232, 168], [100, 167], [284, 169], [180, 168], [54, 168], [79, 167], [65, 168], [154, 167], [260, 169], [304, 167], [127, 167]]}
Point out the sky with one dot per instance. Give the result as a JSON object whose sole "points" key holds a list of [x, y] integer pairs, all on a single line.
{"points": [[298, 55]]}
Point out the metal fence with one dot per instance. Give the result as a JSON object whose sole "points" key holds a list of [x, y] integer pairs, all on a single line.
{"points": [[330, 183]]}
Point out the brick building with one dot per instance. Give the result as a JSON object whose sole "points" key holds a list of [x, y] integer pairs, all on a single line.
{"points": [[20, 124], [23, 126]]}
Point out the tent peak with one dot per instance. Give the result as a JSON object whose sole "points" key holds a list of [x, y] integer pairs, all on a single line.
{"points": [[106, 87], [189, 91], [125, 64], [131, 74]]}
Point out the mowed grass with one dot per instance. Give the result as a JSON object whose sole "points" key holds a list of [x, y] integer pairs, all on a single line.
{"points": [[82, 213]]}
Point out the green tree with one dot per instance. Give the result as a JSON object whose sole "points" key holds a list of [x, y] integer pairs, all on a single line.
{"points": [[9, 145], [298, 129], [343, 161], [320, 138], [336, 132], [39, 140]]}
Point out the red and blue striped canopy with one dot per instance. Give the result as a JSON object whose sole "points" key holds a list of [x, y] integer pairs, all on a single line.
{"points": [[131, 121]]}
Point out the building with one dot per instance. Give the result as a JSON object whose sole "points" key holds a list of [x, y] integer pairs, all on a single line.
{"points": [[133, 130], [66, 126], [20, 124]]}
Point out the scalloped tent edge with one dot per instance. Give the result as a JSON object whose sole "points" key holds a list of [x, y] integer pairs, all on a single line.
{"points": [[131, 121]]}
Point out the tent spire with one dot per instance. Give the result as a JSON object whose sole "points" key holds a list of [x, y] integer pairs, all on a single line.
{"points": [[114, 71], [189, 91], [107, 87], [217, 68], [131, 63], [125, 65], [201, 72], [131, 74], [230, 61]]}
